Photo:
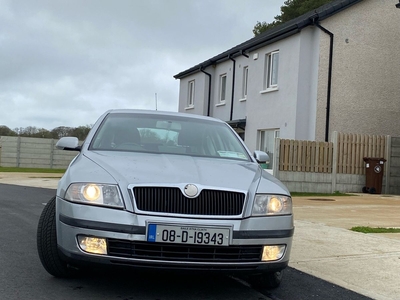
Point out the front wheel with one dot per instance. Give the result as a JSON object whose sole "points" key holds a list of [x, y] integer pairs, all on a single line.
{"points": [[266, 280], [47, 243]]}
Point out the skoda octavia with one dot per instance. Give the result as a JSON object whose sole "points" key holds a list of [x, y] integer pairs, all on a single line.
{"points": [[171, 191]]}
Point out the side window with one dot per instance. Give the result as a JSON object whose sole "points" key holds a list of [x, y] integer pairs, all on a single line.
{"points": [[222, 88], [271, 70], [190, 101], [245, 80]]}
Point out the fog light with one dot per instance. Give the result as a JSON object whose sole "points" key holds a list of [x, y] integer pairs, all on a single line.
{"points": [[93, 244], [274, 252]]}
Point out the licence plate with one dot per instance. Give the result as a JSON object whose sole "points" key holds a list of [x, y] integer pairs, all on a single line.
{"points": [[188, 235]]}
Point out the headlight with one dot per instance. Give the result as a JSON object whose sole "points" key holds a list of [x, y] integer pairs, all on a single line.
{"points": [[94, 193], [272, 205]]}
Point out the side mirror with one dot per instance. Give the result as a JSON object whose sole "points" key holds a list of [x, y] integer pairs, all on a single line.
{"points": [[261, 157], [68, 143]]}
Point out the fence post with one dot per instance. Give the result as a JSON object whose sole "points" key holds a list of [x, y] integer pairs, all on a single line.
{"points": [[388, 154], [334, 160], [51, 153], [18, 151], [276, 159]]}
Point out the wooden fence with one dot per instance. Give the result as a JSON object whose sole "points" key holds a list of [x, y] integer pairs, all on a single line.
{"points": [[347, 150]]}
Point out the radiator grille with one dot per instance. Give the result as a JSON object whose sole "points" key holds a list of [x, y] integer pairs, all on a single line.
{"points": [[171, 200], [189, 253]]}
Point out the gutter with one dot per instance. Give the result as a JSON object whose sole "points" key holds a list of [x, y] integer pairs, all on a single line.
{"points": [[209, 90], [282, 36], [329, 89], [247, 47]]}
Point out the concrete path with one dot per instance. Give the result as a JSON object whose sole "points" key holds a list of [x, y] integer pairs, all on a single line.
{"points": [[49, 180], [324, 246]]}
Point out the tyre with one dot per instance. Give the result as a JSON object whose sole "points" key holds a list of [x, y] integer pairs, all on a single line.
{"points": [[47, 243], [266, 280], [372, 190]]}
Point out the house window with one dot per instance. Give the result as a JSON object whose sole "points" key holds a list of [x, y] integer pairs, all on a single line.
{"points": [[271, 70], [190, 102], [222, 88], [245, 80], [266, 143]]}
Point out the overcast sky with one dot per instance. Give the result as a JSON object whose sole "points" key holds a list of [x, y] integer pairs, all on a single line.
{"points": [[65, 62]]}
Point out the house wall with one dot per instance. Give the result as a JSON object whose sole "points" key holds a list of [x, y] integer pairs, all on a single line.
{"points": [[289, 108], [264, 110], [240, 103], [217, 110], [201, 94], [222, 111], [306, 109], [365, 80]]}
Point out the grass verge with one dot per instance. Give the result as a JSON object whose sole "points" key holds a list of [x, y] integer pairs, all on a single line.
{"points": [[31, 170], [366, 229]]}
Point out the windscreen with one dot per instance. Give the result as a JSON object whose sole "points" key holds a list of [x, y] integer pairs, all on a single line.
{"points": [[168, 135]]}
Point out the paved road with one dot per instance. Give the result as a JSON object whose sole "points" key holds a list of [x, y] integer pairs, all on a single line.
{"points": [[22, 276]]}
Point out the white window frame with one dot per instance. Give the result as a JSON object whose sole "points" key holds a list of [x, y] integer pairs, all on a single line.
{"points": [[271, 70], [245, 83], [222, 88], [191, 93]]}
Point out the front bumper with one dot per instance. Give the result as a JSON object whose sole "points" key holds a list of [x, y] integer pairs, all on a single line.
{"points": [[127, 246]]}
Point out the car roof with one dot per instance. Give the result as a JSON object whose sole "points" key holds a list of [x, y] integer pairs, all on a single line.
{"points": [[162, 113]]}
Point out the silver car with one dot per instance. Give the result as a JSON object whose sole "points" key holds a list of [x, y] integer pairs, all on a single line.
{"points": [[171, 191]]}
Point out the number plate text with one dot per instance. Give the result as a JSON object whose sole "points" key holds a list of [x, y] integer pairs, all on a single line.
{"points": [[188, 235]]}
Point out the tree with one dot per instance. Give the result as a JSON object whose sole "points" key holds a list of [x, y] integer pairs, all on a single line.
{"points": [[61, 131], [43, 133], [291, 9], [5, 131], [29, 131], [18, 130], [81, 132]]}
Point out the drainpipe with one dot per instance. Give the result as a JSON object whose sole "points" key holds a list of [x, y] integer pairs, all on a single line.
{"points": [[245, 55], [209, 91], [233, 86], [328, 98]]}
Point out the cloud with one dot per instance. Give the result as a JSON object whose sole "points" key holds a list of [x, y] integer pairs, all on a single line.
{"points": [[63, 63]]}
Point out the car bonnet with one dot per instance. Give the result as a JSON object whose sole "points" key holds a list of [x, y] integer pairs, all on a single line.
{"points": [[128, 168]]}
